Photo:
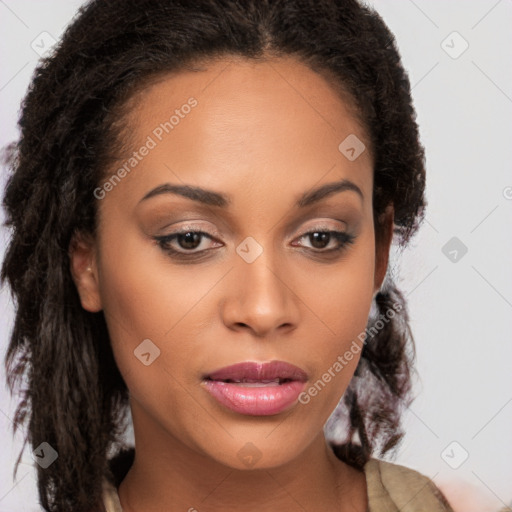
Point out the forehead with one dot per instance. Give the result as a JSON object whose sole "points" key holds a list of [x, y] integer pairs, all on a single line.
{"points": [[234, 85], [234, 121]]}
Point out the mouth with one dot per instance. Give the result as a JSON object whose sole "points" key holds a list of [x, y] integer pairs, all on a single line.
{"points": [[256, 389], [249, 383], [248, 372]]}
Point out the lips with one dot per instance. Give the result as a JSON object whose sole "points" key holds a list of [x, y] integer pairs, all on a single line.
{"points": [[275, 372], [257, 389]]}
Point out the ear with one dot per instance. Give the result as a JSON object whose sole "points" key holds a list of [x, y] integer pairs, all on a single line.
{"points": [[382, 245], [84, 270]]}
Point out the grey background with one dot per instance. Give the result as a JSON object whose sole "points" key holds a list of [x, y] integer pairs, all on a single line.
{"points": [[460, 311]]}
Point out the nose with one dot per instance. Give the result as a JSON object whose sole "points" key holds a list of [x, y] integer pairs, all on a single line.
{"points": [[259, 297]]}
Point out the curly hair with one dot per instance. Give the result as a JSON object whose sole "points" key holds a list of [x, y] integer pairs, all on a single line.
{"points": [[75, 397]]}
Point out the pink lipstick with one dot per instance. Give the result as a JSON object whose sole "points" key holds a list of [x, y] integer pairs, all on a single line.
{"points": [[257, 389]]}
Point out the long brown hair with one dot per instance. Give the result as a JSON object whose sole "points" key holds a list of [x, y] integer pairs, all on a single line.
{"points": [[75, 398]]}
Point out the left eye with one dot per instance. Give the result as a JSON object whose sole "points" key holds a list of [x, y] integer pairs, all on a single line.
{"points": [[321, 238]]}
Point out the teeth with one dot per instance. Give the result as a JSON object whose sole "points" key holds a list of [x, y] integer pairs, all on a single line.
{"points": [[254, 385], [260, 384], [250, 383]]}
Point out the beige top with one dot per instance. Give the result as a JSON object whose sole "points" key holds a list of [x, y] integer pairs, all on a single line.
{"points": [[390, 488]]}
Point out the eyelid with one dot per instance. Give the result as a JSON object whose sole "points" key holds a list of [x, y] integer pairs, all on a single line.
{"points": [[196, 228], [318, 225], [324, 225]]}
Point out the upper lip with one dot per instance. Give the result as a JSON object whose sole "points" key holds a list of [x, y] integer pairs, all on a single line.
{"points": [[256, 371]]}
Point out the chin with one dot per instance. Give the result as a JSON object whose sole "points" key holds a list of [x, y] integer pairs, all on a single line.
{"points": [[254, 452]]}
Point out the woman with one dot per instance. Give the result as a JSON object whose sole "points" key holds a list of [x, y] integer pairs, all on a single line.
{"points": [[203, 200]]}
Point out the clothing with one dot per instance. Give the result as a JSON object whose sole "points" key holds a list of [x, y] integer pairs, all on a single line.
{"points": [[390, 488]]}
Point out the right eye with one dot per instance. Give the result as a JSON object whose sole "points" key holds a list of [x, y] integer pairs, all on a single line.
{"points": [[185, 242]]}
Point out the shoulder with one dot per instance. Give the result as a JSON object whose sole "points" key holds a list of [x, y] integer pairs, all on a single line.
{"points": [[392, 488], [110, 497], [119, 466]]}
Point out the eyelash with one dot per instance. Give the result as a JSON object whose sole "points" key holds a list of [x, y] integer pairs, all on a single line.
{"points": [[163, 242]]}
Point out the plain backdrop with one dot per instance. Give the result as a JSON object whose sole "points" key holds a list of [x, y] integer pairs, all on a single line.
{"points": [[456, 273]]}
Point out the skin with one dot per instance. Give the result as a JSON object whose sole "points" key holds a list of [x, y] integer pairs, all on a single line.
{"points": [[263, 134]]}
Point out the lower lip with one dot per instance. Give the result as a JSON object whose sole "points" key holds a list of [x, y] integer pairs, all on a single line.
{"points": [[255, 401]]}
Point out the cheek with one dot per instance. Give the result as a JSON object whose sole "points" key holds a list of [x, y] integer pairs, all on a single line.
{"points": [[162, 304], [153, 301], [343, 304], [344, 299]]}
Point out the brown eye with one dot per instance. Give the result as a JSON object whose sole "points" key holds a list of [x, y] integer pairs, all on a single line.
{"points": [[320, 239], [184, 243], [189, 240]]}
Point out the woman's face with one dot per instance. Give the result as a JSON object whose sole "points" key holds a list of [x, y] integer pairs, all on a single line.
{"points": [[255, 287]]}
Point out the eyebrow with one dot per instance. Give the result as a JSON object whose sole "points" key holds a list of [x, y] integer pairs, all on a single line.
{"points": [[211, 198]]}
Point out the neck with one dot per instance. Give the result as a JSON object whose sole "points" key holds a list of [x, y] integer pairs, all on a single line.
{"points": [[168, 475]]}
